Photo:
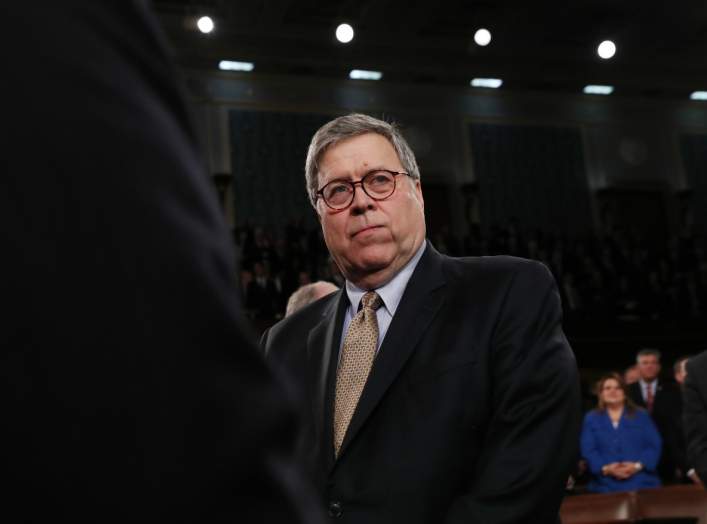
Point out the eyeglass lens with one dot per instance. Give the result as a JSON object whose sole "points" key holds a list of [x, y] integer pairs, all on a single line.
{"points": [[377, 185]]}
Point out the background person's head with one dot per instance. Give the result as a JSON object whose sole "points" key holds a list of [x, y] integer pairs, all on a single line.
{"points": [[648, 362], [631, 375], [371, 239], [308, 294], [680, 370]]}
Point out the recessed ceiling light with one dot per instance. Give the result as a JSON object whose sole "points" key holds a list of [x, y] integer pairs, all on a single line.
{"points": [[205, 24], [482, 37], [362, 74], [493, 83], [598, 90], [344, 33], [698, 95], [606, 49], [233, 65]]}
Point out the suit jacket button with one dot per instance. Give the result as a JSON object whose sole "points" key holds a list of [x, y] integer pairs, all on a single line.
{"points": [[335, 509]]}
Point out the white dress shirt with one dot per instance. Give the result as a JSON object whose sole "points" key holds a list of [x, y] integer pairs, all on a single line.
{"points": [[390, 294], [644, 388]]}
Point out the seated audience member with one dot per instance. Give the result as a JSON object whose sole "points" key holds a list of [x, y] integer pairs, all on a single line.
{"points": [[619, 441], [261, 293], [307, 294], [662, 401]]}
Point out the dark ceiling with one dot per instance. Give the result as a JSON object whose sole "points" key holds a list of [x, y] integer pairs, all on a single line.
{"points": [[537, 45]]}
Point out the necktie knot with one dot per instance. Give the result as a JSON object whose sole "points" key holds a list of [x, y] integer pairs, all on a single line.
{"points": [[371, 300]]}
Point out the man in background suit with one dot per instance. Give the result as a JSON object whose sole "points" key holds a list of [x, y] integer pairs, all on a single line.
{"points": [[131, 390], [437, 390], [695, 415], [662, 400]]}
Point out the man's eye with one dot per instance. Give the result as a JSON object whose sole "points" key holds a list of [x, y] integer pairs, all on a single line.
{"points": [[379, 179], [338, 189]]}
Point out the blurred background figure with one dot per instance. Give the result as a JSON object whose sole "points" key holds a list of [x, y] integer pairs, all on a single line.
{"points": [[307, 294], [631, 375], [679, 370], [619, 441], [131, 390], [695, 416]]}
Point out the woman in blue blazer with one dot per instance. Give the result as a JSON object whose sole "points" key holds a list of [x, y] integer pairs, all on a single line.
{"points": [[619, 441]]}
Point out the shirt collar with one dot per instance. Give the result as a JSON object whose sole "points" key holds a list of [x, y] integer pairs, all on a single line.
{"points": [[393, 290], [645, 385]]}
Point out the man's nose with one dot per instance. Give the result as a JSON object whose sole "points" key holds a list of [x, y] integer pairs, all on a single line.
{"points": [[361, 201]]}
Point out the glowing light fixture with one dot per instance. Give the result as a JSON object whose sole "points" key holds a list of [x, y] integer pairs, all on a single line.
{"points": [[344, 33], [482, 37], [205, 24], [606, 49], [233, 65], [362, 74], [699, 95], [493, 83], [598, 90]]}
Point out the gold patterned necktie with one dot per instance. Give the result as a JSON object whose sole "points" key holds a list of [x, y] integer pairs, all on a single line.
{"points": [[355, 364]]}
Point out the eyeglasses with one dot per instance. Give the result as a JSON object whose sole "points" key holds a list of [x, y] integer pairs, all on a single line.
{"points": [[378, 184]]}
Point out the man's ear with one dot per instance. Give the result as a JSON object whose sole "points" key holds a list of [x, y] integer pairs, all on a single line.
{"points": [[418, 191]]}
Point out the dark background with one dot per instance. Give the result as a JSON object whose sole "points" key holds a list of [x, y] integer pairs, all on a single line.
{"points": [[610, 192]]}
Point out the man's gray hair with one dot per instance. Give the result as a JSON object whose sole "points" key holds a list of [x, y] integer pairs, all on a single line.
{"points": [[648, 352], [350, 126]]}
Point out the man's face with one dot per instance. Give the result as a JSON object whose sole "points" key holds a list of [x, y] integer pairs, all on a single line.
{"points": [[648, 367], [371, 240]]}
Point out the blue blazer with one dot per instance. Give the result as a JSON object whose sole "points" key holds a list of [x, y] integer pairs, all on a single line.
{"points": [[636, 439]]}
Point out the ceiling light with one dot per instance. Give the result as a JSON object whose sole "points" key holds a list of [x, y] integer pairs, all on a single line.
{"points": [[362, 74], [344, 33], [699, 95], [232, 65], [482, 37], [205, 24], [598, 90], [606, 49], [493, 83]]}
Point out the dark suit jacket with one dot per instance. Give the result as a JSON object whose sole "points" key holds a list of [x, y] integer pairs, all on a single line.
{"points": [[666, 409], [131, 391], [471, 412], [695, 413]]}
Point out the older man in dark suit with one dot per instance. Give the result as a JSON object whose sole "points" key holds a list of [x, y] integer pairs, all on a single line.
{"points": [[438, 390], [131, 391]]}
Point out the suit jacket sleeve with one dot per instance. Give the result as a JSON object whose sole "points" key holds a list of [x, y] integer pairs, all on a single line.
{"points": [[136, 391], [531, 443], [695, 414]]}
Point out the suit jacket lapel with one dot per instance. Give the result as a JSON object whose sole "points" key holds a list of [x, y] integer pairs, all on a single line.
{"points": [[420, 302], [322, 350]]}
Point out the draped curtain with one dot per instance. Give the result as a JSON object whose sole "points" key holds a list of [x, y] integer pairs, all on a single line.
{"points": [[532, 173], [694, 156], [268, 150]]}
